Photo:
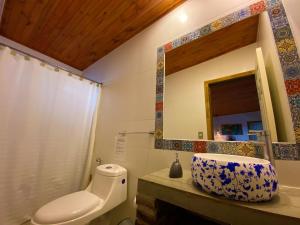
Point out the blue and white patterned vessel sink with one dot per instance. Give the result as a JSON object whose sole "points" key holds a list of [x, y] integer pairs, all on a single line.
{"points": [[235, 177]]}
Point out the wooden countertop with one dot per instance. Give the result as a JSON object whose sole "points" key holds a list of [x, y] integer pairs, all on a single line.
{"points": [[283, 209]]}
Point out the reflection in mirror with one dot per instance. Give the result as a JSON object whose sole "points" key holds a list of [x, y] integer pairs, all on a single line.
{"points": [[220, 87], [232, 106]]}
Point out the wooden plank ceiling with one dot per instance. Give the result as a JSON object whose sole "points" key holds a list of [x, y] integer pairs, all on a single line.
{"points": [[215, 44], [78, 32], [234, 96]]}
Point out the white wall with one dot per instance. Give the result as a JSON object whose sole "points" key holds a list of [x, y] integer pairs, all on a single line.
{"points": [[184, 100], [128, 96]]}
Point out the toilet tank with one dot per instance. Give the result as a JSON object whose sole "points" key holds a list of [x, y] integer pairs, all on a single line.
{"points": [[110, 184]]}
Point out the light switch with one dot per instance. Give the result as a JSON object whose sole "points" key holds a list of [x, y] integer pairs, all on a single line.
{"points": [[200, 135]]}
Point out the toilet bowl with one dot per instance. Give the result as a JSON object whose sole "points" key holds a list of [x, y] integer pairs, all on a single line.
{"points": [[107, 190]]}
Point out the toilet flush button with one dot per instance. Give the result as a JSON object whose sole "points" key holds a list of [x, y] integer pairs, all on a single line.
{"points": [[111, 170]]}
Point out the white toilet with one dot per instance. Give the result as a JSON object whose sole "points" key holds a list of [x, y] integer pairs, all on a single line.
{"points": [[107, 190]]}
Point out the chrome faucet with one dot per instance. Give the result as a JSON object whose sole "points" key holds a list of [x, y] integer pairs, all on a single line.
{"points": [[264, 136]]}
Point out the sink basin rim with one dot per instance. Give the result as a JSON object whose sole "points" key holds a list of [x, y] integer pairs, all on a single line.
{"points": [[231, 158]]}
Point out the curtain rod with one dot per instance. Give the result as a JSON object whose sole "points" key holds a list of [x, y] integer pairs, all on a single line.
{"points": [[51, 64]]}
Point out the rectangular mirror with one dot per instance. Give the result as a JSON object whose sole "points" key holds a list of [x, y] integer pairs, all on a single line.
{"points": [[228, 78]]}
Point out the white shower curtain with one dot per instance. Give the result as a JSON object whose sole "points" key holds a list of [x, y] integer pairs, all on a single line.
{"points": [[45, 124]]}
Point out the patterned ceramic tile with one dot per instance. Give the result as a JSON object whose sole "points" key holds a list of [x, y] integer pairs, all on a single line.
{"points": [[277, 11], [283, 33], [176, 43], [272, 3], [205, 30], [295, 111], [286, 45], [194, 35], [277, 16], [167, 144], [259, 151], [200, 146], [160, 80], [168, 47], [279, 22], [159, 106], [159, 97], [185, 39], [160, 72], [158, 143], [176, 145], [229, 19], [295, 100], [243, 13], [292, 71], [160, 51], [216, 25], [246, 149], [158, 133], [159, 124], [290, 58], [257, 8], [297, 135], [290, 63], [296, 124], [227, 147], [160, 65], [159, 89], [158, 115], [160, 54], [158, 119], [285, 151], [292, 86], [187, 146], [213, 147]]}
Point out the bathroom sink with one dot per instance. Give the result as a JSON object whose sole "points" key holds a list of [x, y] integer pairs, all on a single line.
{"points": [[235, 177]]}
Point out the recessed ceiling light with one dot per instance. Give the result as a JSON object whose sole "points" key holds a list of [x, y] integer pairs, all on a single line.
{"points": [[183, 17]]}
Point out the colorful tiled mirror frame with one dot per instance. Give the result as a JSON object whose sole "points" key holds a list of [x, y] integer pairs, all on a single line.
{"points": [[290, 63]]}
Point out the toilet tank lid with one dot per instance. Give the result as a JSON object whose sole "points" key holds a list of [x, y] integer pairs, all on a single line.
{"points": [[111, 170]]}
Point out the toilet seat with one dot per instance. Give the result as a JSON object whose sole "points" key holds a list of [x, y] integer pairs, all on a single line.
{"points": [[67, 208]]}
